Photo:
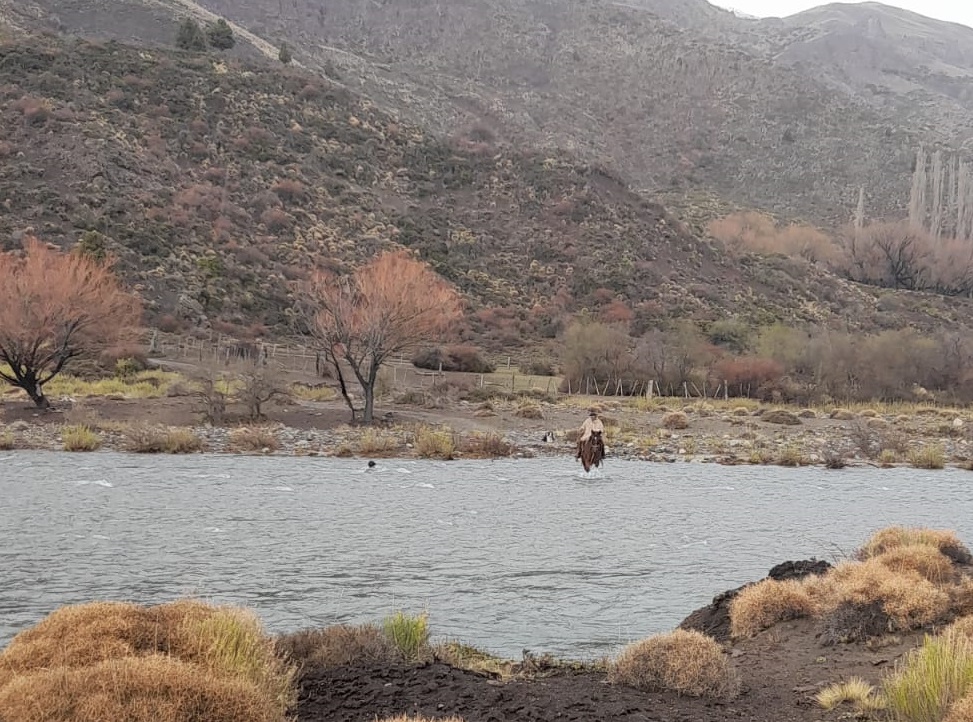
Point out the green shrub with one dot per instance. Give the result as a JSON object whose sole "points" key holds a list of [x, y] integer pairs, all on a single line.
{"points": [[409, 633]]}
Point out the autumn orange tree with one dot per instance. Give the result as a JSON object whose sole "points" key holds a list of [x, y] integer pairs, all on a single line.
{"points": [[54, 307], [389, 306]]}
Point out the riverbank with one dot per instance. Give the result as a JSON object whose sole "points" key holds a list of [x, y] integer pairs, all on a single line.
{"points": [[893, 618], [504, 425]]}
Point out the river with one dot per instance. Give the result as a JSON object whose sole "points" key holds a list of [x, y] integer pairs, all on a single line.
{"points": [[507, 555]]}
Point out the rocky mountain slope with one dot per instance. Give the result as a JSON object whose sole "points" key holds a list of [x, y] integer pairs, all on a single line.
{"points": [[220, 183], [702, 108]]}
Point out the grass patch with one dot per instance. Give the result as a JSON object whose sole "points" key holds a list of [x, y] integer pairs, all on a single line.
{"points": [[377, 443], [156, 688], [766, 603], [253, 438], [928, 457], [337, 646], [792, 456], [924, 559], [144, 439], [7, 441], [529, 410], [150, 384], [306, 392], [487, 446], [682, 661], [896, 537], [168, 663], [855, 691], [930, 679], [435, 444], [80, 437], [409, 633]]}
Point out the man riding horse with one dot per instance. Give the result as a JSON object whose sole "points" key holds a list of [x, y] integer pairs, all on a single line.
{"points": [[591, 425]]}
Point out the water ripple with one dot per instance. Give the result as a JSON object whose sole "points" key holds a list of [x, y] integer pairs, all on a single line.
{"points": [[506, 555]]}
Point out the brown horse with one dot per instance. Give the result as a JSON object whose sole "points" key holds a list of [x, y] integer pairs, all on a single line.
{"points": [[592, 451]]}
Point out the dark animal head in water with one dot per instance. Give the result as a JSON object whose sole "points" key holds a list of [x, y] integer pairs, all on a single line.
{"points": [[371, 464]]}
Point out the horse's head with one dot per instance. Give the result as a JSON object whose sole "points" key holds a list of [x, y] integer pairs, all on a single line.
{"points": [[596, 434]]}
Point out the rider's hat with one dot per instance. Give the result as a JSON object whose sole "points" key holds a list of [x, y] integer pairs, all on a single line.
{"points": [[592, 411]]}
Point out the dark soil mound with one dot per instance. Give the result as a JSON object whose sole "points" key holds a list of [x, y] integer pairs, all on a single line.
{"points": [[357, 694], [714, 618], [798, 570]]}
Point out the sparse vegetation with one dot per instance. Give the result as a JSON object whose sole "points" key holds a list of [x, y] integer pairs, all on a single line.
{"points": [[435, 444], [254, 438], [409, 633], [80, 438], [932, 456], [146, 439], [856, 691]]}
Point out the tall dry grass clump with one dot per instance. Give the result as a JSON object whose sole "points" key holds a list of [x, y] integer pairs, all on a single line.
{"points": [[930, 679], [337, 646], [433, 444], [682, 661], [909, 600], [63, 662], [253, 438], [924, 559], [895, 537], [155, 688], [763, 605], [675, 420]]}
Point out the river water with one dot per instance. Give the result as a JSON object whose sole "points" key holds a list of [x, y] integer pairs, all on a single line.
{"points": [[507, 555]]}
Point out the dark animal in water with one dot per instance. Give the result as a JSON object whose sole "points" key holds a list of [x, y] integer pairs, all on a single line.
{"points": [[592, 451]]}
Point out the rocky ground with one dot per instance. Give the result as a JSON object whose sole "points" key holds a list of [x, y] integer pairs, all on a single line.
{"points": [[727, 433]]}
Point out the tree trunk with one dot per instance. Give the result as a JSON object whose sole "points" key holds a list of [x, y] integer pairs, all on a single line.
{"points": [[36, 394], [368, 390], [343, 386]]}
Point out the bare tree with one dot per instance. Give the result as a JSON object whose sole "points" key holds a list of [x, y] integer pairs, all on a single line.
{"points": [[261, 384], [390, 306], [54, 307]]}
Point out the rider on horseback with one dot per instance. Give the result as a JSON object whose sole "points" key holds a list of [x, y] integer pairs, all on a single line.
{"points": [[590, 425]]}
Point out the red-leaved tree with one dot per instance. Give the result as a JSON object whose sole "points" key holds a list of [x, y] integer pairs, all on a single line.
{"points": [[54, 307], [390, 306]]}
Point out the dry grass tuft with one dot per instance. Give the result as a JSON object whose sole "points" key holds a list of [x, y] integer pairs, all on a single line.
{"points": [[102, 660], [433, 444], [781, 417], [487, 446], [143, 439], [682, 661], [337, 646], [253, 438], [855, 690], [80, 438], [925, 559], [928, 457], [154, 688], [377, 443], [675, 420], [463, 656], [894, 537], [763, 605], [529, 410], [7, 441], [909, 600]]}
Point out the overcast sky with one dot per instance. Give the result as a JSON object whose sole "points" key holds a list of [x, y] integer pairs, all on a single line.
{"points": [[958, 11]]}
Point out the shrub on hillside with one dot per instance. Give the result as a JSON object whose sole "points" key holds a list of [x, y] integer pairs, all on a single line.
{"points": [[895, 537], [682, 661], [453, 358]]}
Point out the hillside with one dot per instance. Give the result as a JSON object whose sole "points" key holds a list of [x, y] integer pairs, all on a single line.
{"points": [[219, 184], [679, 99]]}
